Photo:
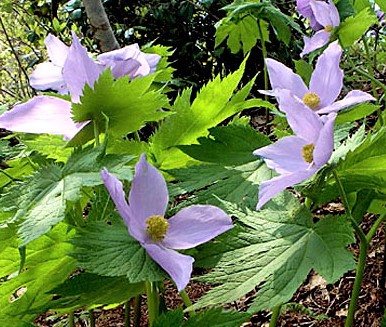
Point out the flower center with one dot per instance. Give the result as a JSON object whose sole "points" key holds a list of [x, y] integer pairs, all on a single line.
{"points": [[308, 152], [311, 100], [328, 28], [156, 228]]}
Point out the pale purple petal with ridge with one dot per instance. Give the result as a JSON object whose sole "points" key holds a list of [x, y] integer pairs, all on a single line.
{"points": [[304, 8], [48, 76], [41, 114], [268, 189], [153, 60], [196, 225], [114, 186], [282, 77], [352, 97], [285, 155], [318, 40], [325, 13], [149, 194], [327, 78], [325, 143], [79, 69], [304, 122], [57, 50], [177, 265]]}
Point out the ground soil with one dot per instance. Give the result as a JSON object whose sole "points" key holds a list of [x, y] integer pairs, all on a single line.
{"points": [[318, 304]]}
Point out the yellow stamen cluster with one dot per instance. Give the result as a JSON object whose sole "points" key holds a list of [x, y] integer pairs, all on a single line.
{"points": [[156, 228], [328, 28], [311, 100], [308, 152]]}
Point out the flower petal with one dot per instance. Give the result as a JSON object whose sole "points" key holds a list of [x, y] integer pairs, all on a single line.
{"points": [[325, 13], [178, 266], [57, 50], [41, 114], [304, 8], [48, 76], [325, 143], [304, 122], [196, 225], [115, 188], [153, 60], [352, 97], [274, 186], [282, 77], [149, 194], [327, 78], [285, 155], [79, 69], [318, 40]]}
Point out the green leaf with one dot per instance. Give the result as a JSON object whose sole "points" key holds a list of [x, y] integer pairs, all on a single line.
{"points": [[217, 317], [215, 103], [127, 104], [381, 4], [274, 249], [40, 201], [356, 112], [354, 27], [109, 250], [345, 9], [214, 317], [237, 184], [228, 145], [46, 266], [91, 291], [51, 146], [359, 5], [304, 69]]}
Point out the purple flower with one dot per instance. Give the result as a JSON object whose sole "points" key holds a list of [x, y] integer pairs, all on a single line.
{"points": [[304, 8], [324, 17], [144, 215], [129, 60], [68, 71], [325, 85], [297, 158]]}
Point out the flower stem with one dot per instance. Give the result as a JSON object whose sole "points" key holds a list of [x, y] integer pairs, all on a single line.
{"points": [[265, 72], [127, 313], [357, 283], [186, 300], [152, 301], [275, 316], [92, 318], [96, 133], [137, 311], [71, 319]]}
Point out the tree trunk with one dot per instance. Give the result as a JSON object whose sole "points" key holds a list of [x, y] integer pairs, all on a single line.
{"points": [[101, 25]]}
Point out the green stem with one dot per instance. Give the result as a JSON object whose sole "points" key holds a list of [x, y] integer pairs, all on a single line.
{"points": [[357, 283], [127, 313], [265, 72], [369, 63], [187, 302], [96, 133], [92, 318], [275, 316], [136, 136], [71, 319], [374, 228], [343, 195], [137, 311], [152, 301]]}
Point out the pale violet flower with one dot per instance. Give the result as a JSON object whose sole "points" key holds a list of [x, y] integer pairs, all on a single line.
{"points": [[144, 214], [325, 85], [129, 60], [68, 70], [324, 18], [297, 158], [49, 114], [304, 8]]}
